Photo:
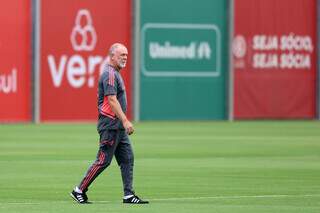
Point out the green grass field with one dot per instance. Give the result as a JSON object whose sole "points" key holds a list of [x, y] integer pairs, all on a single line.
{"points": [[189, 167]]}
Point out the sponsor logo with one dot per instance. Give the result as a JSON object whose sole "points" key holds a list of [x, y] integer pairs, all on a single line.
{"points": [[83, 38], [79, 70], [239, 46], [194, 50], [239, 51], [8, 83], [180, 50]]}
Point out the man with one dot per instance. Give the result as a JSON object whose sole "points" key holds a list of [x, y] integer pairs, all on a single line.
{"points": [[114, 128]]}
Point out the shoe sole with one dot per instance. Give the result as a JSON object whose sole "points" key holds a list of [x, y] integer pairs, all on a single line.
{"points": [[135, 203]]}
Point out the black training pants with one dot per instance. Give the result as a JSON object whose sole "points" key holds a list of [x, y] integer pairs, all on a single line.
{"points": [[117, 143]]}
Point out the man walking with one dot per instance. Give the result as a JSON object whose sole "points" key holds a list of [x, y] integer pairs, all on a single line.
{"points": [[114, 128]]}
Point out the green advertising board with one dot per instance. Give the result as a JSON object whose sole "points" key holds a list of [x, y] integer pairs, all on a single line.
{"points": [[183, 60]]}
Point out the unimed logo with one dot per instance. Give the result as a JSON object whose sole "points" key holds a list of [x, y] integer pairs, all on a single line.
{"points": [[8, 83], [79, 70]]}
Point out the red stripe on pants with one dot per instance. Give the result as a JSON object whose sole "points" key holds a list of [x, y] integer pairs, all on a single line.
{"points": [[93, 171]]}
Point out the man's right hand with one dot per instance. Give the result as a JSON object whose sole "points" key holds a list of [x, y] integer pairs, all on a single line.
{"points": [[128, 127]]}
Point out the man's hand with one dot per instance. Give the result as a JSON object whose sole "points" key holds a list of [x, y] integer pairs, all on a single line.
{"points": [[128, 127]]}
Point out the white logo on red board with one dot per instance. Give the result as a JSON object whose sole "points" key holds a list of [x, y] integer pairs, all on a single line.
{"points": [[239, 50], [83, 38], [239, 46], [78, 69], [282, 52], [8, 83]]}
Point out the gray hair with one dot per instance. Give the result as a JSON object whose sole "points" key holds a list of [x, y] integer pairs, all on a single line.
{"points": [[113, 48]]}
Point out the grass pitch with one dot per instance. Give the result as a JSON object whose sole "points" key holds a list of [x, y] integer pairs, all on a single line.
{"points": [[239, 167]]}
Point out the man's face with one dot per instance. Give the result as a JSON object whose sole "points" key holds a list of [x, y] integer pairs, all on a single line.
{"points": [[120, 57]]}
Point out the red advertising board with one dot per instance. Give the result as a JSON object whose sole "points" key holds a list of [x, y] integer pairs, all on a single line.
{"points": [[15, 64], [75, 37], [274, 54]]}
